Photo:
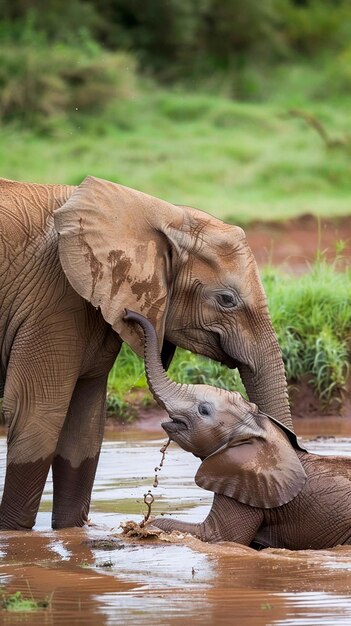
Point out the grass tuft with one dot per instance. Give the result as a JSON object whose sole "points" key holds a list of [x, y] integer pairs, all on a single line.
{"points": [[16, 603]]}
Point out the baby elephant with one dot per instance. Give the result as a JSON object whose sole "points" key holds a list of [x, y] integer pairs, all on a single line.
{"points": [[269, 491]]}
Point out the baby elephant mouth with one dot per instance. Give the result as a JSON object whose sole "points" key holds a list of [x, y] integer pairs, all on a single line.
{"points": [[175, 425]]}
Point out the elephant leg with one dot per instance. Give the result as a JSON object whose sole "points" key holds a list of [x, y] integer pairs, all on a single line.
{"points": [[168, 525], [37, 394], [34, 429], [24, 484], [77, 453]]}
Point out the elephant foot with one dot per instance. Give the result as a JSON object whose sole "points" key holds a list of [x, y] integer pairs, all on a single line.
{"points": [[58, 524]]}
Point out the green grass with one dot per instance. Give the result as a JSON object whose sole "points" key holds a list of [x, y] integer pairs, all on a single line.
{"points": [[16, 603], [312, 317], [239, 161]]}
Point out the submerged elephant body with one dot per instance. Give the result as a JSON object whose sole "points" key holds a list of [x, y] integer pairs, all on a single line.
{"points": [[269, 491], [319, 517], [72, 258]]}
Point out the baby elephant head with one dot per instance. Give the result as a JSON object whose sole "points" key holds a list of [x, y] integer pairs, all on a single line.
{"points": [[245, 454]]}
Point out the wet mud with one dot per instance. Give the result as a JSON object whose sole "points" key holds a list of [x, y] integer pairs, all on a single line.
{"points": [[97, 576]]}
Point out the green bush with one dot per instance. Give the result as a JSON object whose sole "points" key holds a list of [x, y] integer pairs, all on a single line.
{"points": [[164, 34], [312, 27], [38, 83], [176, 39], [50, 20]]}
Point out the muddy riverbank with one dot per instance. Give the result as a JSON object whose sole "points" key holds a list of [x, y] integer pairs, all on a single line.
{"points": [[95, 576], [294, 243]]}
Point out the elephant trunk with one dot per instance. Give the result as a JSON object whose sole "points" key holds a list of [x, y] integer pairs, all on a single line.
{"points": [[266, 384], [162, 388]]}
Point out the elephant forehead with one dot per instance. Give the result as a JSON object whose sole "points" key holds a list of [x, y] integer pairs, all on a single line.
{"points": [[245, 279], [229, 405], [225, 237], [231, 249], [241, 276], [208, 393]]}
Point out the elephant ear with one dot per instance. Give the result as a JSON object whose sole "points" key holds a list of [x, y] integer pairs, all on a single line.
{"points": [[262, 471], [115, 254]]}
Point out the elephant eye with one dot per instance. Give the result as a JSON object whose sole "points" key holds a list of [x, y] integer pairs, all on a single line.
{"points": [[204, 409], [226, 299]]}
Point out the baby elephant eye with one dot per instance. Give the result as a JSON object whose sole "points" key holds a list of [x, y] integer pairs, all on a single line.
{"points": [[204, 409], [226, 299]]}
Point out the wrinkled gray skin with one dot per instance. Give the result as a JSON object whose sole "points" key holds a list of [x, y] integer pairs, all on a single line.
{"points": [[268, 490], [71, 259]]}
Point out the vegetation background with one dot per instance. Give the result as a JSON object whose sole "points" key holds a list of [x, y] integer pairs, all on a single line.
{"points": [[239, 108]]}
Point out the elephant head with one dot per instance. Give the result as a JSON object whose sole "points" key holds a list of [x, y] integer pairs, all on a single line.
{"points": [[190, 274], [246, 454]]}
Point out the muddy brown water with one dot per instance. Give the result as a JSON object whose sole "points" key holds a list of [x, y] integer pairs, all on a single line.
{"points": [[94, 576]]}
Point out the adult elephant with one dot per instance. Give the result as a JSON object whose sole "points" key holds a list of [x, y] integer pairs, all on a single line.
{"points": [[72, 259]]}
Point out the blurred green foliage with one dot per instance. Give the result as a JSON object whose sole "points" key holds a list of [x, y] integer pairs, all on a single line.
{"points": [[159, 29], [85, 55], [182, 38]]}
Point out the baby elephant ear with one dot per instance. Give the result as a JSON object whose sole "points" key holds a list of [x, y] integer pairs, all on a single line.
{"points": [[263, 471]]}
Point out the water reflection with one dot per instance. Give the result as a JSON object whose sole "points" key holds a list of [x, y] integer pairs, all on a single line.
{"points": [[96, 582]]}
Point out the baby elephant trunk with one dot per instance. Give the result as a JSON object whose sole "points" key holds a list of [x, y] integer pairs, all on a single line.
{"points": [[162, 388]]}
